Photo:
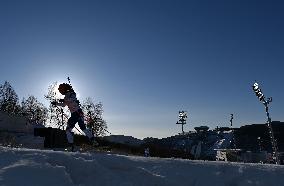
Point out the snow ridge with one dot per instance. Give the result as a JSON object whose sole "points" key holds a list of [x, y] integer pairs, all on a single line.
{"points": [[20, 166]]}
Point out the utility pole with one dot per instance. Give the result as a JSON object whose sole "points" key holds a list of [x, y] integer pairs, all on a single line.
{"points": [[182, 119], [259, 143], [231, 120], [233, 136], [266, 102]]}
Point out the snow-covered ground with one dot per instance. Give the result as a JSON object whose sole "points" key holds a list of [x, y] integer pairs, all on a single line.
{"points": [[20, 166]]}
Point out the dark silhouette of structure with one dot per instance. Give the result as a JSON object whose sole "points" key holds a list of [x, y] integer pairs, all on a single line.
{"points": [[182, 119], [266, 102]]}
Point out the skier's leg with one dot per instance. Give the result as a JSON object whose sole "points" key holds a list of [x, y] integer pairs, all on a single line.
{"points": [[70, 125], [82, 126], [69, 136], [87, 132]]}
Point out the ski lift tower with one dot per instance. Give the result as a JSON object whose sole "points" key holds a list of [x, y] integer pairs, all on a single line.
{"points": [[266, 102], [182, 119]]}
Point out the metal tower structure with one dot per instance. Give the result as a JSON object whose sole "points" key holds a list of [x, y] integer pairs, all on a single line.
{"points": [[182, 119], [266, 102], [233, 136]]}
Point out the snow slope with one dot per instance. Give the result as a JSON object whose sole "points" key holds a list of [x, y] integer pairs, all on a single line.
{"points": [[46, 167], [16, 130], [14, 123]]}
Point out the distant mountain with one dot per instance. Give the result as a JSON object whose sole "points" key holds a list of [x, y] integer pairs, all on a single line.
{"points": [[256, 136], [194, 145], [204, 144], [127, 140]]}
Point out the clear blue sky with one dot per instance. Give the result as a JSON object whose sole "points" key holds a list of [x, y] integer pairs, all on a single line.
{"points": [[147, 59]]}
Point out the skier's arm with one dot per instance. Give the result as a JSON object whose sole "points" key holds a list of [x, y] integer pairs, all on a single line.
{"points": [[69, 98], [62, 103]]}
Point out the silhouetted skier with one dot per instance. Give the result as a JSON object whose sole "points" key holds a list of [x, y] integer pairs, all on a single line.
{"points": [[77, 114]]}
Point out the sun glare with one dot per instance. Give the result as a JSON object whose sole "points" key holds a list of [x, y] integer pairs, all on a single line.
{"points": [[58, 95]]}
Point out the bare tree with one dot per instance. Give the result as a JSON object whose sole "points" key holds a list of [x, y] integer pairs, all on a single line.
{"points": [[93, 117], [56, 114], [34, 111]]}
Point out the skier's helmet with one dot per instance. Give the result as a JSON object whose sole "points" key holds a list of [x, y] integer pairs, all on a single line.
{"points": [[64, 88]]}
